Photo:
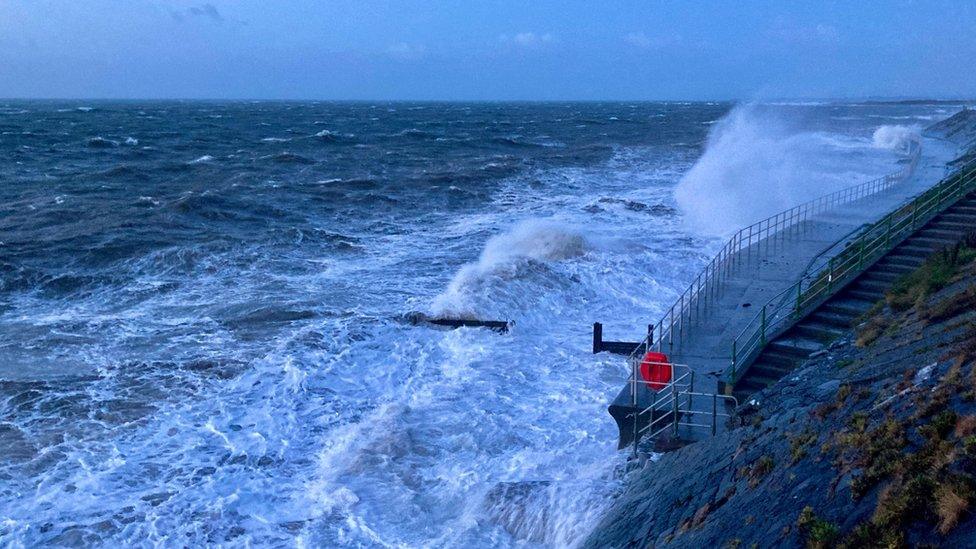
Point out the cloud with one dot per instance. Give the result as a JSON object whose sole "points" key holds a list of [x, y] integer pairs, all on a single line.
{"points": [[407, 52], [208, 11], [527, 39]]}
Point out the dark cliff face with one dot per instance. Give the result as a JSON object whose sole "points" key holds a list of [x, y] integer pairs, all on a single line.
{"points": [[872, 444]]}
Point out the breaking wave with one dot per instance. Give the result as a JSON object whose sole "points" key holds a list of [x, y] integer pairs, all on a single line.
{"points": [[894, 137], [758, 162], [505, 256]]}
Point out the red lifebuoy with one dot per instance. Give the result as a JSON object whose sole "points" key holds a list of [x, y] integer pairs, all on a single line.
{"points": [[656, 370]]}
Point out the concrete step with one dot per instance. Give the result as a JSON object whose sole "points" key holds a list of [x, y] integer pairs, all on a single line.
{"points": [[767, 370], [932, 242], [841, 320], [780, 359], [958, 217], [899, 269], [795, 346], [940, 223], [915, 251], [897, 258], [949, 234], [853, 307], [868, 295], [880, 286], [818, 331], [751, 385], [882, 275]]}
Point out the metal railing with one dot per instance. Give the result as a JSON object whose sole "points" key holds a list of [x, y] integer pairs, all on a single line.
{"points": [[694, 300], [676, 404], [840, 263]]}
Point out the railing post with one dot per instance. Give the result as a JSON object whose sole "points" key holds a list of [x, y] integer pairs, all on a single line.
{"points": [[633, 393], [714, 412], [671, 329], [799, 296], [763, 327], [734, 343], [681, 317], [674, 409], [830, 273]]}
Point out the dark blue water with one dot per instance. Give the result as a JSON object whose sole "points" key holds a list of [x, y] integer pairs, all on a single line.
{"points": [[201, 309]]}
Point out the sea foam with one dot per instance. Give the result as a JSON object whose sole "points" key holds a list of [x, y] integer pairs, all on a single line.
{"points": [[530, 240]]}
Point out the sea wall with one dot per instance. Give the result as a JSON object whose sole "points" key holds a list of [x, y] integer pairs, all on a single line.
{"points": [[872, 443]]}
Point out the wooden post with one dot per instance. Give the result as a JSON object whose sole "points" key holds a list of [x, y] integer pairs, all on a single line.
{"points": [[597, 337]]}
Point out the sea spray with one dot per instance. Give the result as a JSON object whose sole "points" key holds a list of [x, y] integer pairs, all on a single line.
{"points": [[758, 161], [504, 257], [894, 136]]}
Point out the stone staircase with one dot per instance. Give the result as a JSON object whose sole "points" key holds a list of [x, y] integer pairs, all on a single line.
{"points": [[838, 314]]}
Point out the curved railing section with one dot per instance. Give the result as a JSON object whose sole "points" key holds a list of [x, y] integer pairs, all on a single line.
{"points": [[839, 264], [695, 298]]}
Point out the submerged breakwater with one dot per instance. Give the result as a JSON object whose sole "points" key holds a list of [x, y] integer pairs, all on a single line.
{"points": [[202, 305]]}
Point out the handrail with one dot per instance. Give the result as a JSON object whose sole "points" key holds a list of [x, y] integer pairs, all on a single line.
{"points": [[672, 401], [706, 284], [829, 272]]}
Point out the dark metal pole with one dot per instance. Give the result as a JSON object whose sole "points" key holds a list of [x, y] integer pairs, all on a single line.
{"points": [[597, 337]]}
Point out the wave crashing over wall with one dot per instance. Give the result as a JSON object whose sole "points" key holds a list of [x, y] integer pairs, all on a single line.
{"points": [[757, 163]]}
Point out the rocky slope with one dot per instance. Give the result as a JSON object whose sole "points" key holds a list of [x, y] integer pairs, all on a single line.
{"points": [[960, 129], [872, 444]]}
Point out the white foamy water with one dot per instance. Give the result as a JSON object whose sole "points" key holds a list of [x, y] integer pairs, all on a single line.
{"points": [[760, 161]]}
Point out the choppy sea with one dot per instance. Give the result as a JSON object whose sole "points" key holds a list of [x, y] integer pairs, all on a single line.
{"points": [[202, 305]]}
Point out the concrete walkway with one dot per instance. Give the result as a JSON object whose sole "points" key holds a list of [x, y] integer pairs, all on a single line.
{"points": [[759, 273], [770, 266]]}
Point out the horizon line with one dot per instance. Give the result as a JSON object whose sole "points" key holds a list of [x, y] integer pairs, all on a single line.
{"points": [[849, 99]]}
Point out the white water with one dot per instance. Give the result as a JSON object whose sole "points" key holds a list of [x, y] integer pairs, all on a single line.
{"points": [[760, 161]]}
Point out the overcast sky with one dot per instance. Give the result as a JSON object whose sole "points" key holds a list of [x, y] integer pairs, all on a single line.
{"points": [[558, 49]]}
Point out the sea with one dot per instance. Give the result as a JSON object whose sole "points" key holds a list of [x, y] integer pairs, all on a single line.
{"points": [[205, 307]]}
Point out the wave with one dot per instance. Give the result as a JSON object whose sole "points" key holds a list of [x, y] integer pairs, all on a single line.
{"points": [[414, 132], [630, 205], [123, 171], [327, 135], [275, 139], [894, 137], [291, 158], [504, 257], [519, 141], [757, 162], [202, 159], [101, 143]]}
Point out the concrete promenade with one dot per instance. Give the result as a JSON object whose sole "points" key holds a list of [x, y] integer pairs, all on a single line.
{"points": [[762, 271], [772, 265]]}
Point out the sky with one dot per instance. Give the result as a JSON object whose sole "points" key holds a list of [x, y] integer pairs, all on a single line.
{"points": [[487, 50]]}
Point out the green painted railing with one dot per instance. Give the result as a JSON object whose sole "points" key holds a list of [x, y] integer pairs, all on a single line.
{"points": [[694, 301], [840, 264]]}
